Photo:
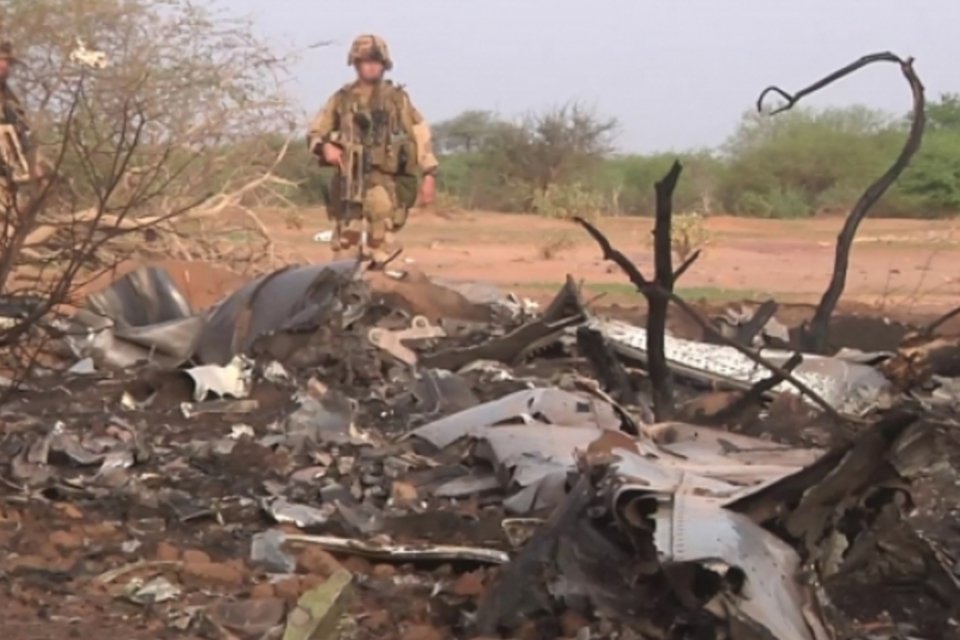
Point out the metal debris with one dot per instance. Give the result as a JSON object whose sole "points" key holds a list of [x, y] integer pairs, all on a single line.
{"points": [[629, 529], [553, 406], [850, 388], [401, 552], [393, 341], [304, 516], [153, 592], [231, 381], [266, 550]]}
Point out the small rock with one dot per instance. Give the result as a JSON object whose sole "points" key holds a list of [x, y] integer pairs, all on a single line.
{"points": [[378, 621], [252, 618], [215, 572], [27, 563], [66, 540], [422, 632], [101, 531], [469, 585], [355, 565], [262, 591], [572, 622], [193, 556], [311, 582], [316, 561], [70, 511], [384, 571], [403, 493], [167, 552], [288, 588], [345, 465]]}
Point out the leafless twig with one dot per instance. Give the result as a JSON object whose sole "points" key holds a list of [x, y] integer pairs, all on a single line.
{"points": [[816, 334], [642, 284], [657, 292]]}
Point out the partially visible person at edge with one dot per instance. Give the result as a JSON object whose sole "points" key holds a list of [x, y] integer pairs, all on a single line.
{"points": [[395, 158], [11, 113]]}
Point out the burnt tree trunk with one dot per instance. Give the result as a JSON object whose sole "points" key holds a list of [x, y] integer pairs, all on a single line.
{"points": [[816, 334]]}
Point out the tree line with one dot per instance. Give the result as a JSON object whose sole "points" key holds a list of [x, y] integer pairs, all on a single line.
{"points": [[803, 163], [205, 93]]}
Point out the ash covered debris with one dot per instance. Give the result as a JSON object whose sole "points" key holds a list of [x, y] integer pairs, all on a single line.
{"points": [[374, 457]]}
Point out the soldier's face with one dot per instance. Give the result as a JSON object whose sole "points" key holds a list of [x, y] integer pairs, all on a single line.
{"points": [[370, 70]]}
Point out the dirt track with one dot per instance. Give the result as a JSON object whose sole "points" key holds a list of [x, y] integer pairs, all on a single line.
{"points": [[896, 263]]}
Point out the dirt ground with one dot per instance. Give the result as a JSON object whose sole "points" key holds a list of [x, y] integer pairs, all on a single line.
{"points": [[189, 509], [896, 264]]}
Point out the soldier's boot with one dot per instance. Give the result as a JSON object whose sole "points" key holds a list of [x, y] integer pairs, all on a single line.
{"points": [[378, 210], [347, 240]]}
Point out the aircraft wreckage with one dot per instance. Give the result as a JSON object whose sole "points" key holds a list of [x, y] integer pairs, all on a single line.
{"points": [[643, 530]]}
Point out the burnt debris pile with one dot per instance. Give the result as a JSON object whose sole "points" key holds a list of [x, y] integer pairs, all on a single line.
{"points": [[335, 452]]}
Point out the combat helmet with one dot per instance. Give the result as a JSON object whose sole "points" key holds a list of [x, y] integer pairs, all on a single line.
{"points": [[370, 47]]}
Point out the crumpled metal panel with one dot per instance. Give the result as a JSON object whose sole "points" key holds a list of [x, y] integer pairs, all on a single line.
{"points": [[167, 344], [144, 297], [694, 529], [555, 425], [711, 449], [141, 317], [556, 406], [849, 387], [278, 301]]}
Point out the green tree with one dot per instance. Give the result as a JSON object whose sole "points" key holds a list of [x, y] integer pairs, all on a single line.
{"points": [[466, 133], [944, 114], [801, 161], [561, 145], [933, 180]]}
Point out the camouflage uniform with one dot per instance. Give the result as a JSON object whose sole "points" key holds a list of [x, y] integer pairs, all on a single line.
{"points": [[11, 113], [399, 148]]}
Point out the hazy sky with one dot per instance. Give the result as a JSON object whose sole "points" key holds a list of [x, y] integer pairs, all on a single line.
{"points": [[676, 73]]}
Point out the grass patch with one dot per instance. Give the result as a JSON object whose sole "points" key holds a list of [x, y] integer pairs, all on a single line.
{"points": [[627, 290]]}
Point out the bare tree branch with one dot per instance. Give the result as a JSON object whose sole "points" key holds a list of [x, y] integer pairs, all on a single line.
{"points": [[816, 334], [643, 285], [657, 292]]}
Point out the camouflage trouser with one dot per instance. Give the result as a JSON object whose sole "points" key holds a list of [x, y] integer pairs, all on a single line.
{"points": [[7, 209], [384, 209]]}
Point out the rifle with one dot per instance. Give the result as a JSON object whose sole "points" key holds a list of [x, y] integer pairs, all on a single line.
{"points": [[13, 161], [353, 174]]}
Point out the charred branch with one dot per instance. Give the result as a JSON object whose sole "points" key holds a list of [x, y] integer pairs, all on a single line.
{"points": [[658, 303], [643, 285], [607, 366], [755, 395], [816, 333], [932, 328], [657, 292], [749, 330]]}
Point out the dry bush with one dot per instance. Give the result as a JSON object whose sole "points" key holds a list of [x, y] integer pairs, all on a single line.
{"points": [[690, 233], [567, 201], [208, 91], [447, 205], [556, 244], [144, 112]]}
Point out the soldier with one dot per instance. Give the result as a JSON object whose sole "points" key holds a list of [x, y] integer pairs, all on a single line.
{"points": [[17, 146], [379, 144]]}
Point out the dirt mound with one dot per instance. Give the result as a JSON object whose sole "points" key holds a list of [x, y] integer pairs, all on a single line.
{"points": [[202, 283]]}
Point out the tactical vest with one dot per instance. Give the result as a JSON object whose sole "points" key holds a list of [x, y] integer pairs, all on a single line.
{"points": [[382, 125]]}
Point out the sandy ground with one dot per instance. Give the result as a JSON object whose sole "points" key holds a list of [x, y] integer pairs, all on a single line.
{"points": [[896, 264]]}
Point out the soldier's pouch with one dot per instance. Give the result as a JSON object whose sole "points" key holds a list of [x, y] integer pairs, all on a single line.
{"points": [[385, 160], [406, 188]]}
